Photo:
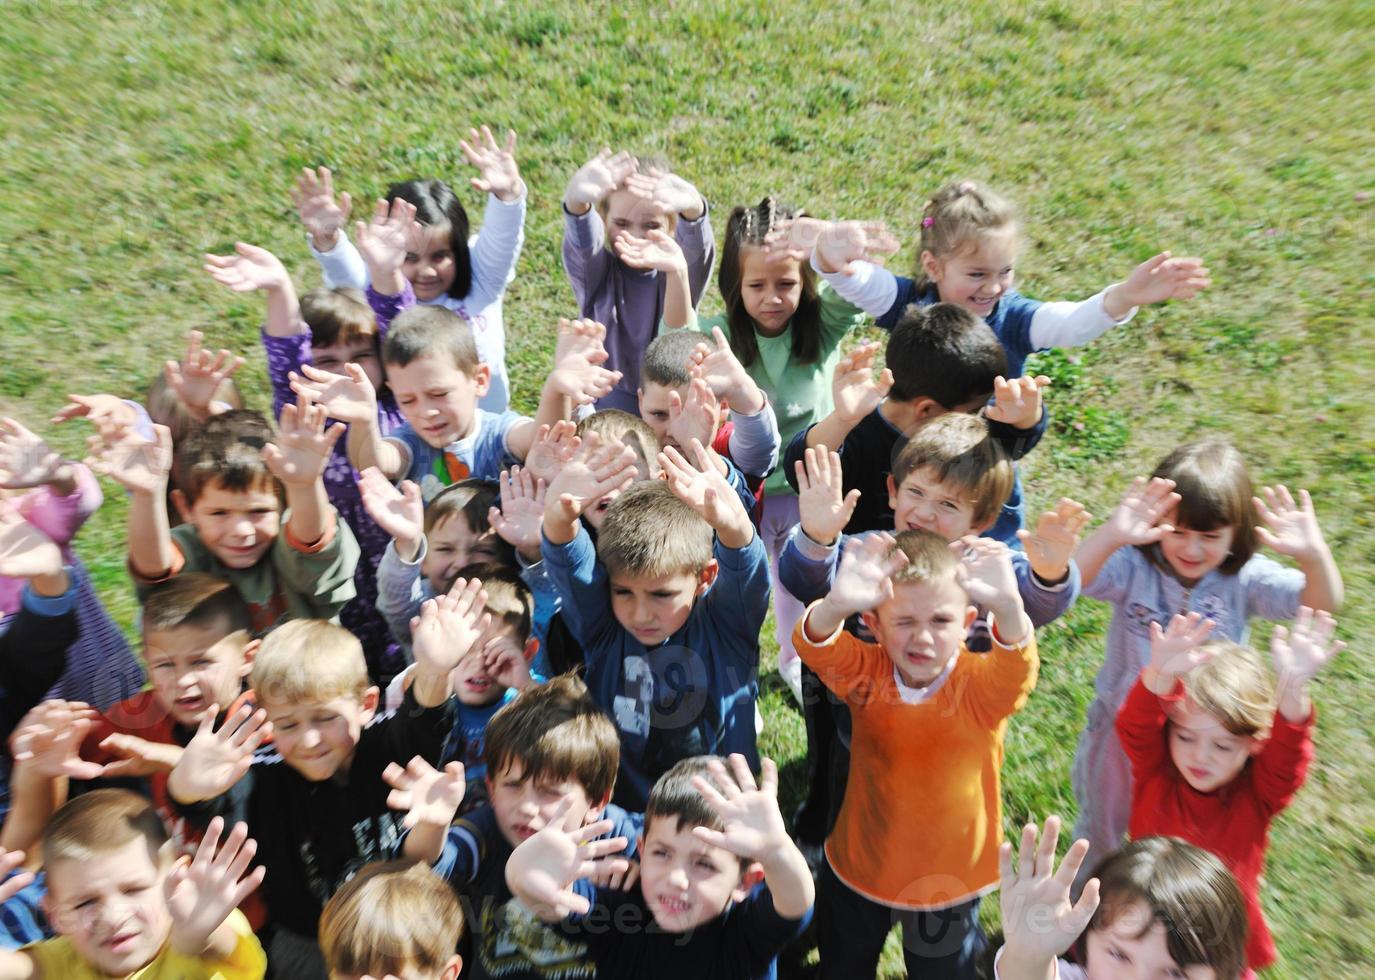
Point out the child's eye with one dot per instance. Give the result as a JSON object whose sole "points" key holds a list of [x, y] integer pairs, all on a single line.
{"points": [[441, 256], [163, 666], [285, 726], [439, 394], [1117, 954], [202, 662], [951, 505], [705, 865], [412, 257], [662, 594], [366, 355], [787, 284]]}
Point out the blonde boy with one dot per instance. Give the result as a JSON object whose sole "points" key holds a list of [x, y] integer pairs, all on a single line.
{"points": [[122, 905], [918, 834], [392, 919], [318, 793]]}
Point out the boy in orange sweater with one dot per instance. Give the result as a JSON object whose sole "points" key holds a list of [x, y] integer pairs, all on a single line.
{"points": [[917, 837]]}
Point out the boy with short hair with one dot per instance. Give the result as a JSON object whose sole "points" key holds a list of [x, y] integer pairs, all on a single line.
{"points": [[667, 608], [123, 906], [552, 743], [393, 918], [722, 887], [317, 795], [940, 358], [929, 720], [231, 479], [1218, 749]]}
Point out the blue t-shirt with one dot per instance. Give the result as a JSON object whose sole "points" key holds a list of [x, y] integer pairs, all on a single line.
{"points": [[482, 455], [1010, 319]]}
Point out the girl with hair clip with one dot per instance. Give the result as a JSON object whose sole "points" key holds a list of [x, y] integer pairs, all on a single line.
{"points": [[786, 328], [443, 265], [1185, 542], [1156, 908]]}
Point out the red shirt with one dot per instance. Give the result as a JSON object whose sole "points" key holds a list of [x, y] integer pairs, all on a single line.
{"points": [[1232, 822]]}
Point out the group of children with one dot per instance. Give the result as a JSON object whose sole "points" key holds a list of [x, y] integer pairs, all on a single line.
{"points": [[434, 688]]}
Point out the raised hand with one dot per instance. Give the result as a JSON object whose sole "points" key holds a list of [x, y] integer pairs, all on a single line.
{"points": [[1179, 648], [1300, 653], [428, 795], [504, 662], [202, 891], [702, 487], [249, 268], [657, 250], [399, 512], [1291, 528], [1051, 545], [1017, 402], [104, 411], [727, 378], [200, 374], [1138, 518], [596, 470], [392, 234], [553, 447], [517, 521], [667, 193], [135, 463], [141, 757], [1039, 920], [597, 178], [843, 243], [498, 173], [985, 571], [1163, 277], [695, 417], [12, 886], [823, 506], [752, 824], [348, 397], [322, 215], [542, 870], [213, 761], [864, 579], [48, 740], [303, 446], [855, 390], [578, 373], [449, 627], [25, 459]]}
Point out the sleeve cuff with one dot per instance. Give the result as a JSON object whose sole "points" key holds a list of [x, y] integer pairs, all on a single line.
{"points": [[1030, 634], [56, 605], [814, 550], [1101, 302], [1041, 585], [802, 629], [178, 563], [313, 547]]}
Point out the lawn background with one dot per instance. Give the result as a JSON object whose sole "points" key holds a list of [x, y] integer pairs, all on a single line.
{"points": [[138, 136]]}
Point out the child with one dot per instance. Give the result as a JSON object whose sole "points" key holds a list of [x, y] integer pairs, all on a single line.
{"points": [[722, 887], [392, 918], [434, 371], [668, 619], [916, 689], [552, 745], [56, 497], [328, 329], [318, 796], [1213, 761], [966, 253], [442, 266], [1156, 908], [632, 199], [123, 906], [1185, 542], [231, 480], [939, 359]]}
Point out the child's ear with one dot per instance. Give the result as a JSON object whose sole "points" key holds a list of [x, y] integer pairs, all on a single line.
{"points": [[482, 379], [531, 648], [182, 504], [971, 613], [981, 529], [751, 876], [249, 652], [931, 266], [892, 493], [594, 812], [870, 620], [452, 968], [371, 697], [927, 408], [706, 577]]}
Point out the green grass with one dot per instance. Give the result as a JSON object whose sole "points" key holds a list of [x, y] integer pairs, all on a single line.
{"points": [[138, 136]]}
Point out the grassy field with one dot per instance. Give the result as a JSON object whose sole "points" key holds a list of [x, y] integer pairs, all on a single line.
{"points": [[138, 136]]}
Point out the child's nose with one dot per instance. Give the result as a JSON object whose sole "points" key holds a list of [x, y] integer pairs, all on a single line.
{"points": [[677, 878], [311, 738]]}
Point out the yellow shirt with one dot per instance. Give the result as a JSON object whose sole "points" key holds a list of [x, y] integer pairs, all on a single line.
{"points": [[59, 961]]}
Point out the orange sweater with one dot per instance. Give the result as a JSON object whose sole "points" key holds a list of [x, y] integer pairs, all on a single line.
{"points": [[922, 818]]}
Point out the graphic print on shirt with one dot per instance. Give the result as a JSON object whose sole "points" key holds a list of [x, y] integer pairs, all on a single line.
{"points": [[513, 941]]}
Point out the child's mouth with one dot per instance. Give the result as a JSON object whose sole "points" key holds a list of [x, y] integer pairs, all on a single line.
{"points": [[122, 943]]}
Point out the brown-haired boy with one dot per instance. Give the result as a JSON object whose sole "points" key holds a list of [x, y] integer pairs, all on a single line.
{"points": [[123, 905], [552, 742], [231, 481], [392, 918], [318, 795]]}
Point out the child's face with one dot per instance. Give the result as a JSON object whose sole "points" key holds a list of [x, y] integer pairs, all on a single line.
{"points": [[922, 627], [431, 270], [517, 800], [451, 544], [237, 526], [317, 738], [769, 290], [1206, 754], [111, 907], [975, 278], [194, 667], [924, 503], [630, 214], [1121, 950], [437, 399], [686, 882], [470, 681], [361, 351], [1193, 554], [653, 608], [654, 409]]}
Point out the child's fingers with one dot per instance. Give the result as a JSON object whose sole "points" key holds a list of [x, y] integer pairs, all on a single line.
{"points": [[1026, 854], [1045, 854]]}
